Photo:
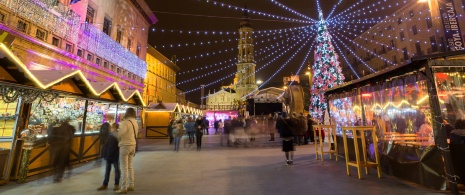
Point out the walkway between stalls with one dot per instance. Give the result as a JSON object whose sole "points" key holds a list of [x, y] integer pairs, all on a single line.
{"points": [[256, 169]]}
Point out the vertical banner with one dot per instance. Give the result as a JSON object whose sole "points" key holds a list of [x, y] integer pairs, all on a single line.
{"points": [[451, 25]]}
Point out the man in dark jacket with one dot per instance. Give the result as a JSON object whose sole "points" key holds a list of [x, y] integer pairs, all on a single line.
{"points": [[205, 125], [111, 155], [60, 140], [285, 132]]}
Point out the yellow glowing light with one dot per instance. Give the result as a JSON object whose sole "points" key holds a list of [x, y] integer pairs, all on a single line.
{"points": [[78, 73]]}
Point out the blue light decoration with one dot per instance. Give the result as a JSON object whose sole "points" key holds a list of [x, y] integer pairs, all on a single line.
{"points": [[99, 43], [258, 12], [233, 65], [233, 74], [293, 11]]}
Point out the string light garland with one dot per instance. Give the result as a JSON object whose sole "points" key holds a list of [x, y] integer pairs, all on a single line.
{"points": [[232, 74], [231, 65], [347, 61], [99, 43], [280, 68], [64, 23], [370, 9], [334, 8], [257, 12], [229, 33], [292, 11], [262, 50]]}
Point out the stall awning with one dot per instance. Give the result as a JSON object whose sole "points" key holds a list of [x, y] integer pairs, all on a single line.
{"points": [[47, 79], [172, 107]]}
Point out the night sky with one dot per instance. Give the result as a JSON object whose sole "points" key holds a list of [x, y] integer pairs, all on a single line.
{"points": [[200, 15]]}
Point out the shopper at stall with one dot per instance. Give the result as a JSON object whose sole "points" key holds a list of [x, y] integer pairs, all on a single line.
{"points": [[127, 148], [103, 135], [111, 155], [60, 140], [220, 126], [199, 123]]}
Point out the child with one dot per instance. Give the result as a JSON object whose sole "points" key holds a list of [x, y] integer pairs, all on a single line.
{"points": [[111, 155]]}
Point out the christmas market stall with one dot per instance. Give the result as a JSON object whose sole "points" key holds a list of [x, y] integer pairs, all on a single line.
{"points": [[158, 117], [418, 110], [34, 101]]}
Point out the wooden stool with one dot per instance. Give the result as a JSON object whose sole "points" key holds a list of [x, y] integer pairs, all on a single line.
{"points": [[358, 163], [331, 129]]}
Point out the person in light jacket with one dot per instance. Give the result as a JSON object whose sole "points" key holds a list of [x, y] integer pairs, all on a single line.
{"points": [[127, 150]]}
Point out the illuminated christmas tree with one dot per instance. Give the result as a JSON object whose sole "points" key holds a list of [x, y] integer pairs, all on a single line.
{"points": [[326, 70]]}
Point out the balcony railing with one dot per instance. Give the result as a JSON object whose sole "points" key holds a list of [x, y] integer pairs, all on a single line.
{"points": [[49, 14], [97, 42]]}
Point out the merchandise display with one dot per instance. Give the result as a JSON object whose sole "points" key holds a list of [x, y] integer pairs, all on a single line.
{"points": [[97, 114], [399, 108], [7, 118], [45, 115]]}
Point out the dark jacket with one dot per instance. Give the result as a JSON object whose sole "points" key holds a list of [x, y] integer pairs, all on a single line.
{"points": [[284, 129], [104, 132], [62, 134], [197, 124], [111, 149]]}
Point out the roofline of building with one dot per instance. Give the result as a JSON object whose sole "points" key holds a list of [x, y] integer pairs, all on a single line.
{"points": [[145, 11], [156, 54]]}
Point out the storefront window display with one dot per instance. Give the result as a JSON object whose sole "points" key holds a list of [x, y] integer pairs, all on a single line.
{"points": [[47, 114], [345, 111], [97, 114], [122, 110], [399, 108], [7, 118], [451, 93]]}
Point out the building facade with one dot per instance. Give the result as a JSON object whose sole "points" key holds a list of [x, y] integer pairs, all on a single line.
{"points": [[414, 30], [160, 83], [244, 85]]}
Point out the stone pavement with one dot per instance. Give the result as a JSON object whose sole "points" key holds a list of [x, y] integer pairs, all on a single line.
{"points": [[253, 170]]}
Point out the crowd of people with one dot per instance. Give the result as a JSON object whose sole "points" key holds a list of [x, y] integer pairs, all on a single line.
{"points": [[294, 130]]}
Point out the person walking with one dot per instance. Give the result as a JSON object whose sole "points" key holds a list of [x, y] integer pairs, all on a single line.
{"points": [[310, 123], [60, 141], [127, 149], [286, 133], [216, 125], [220, 126], [205, 125], [111, 155], [177, 133], [170, 130], [270, 126], [199, 133], [191, 128]]}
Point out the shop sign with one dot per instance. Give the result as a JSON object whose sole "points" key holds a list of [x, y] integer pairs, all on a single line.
{"points": [[451, 25]]}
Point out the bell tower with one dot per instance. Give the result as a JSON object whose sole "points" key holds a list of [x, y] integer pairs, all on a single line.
{"points": [[246, 62]]}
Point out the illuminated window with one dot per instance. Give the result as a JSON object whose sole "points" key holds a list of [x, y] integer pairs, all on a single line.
{"points": [[40, 34]]}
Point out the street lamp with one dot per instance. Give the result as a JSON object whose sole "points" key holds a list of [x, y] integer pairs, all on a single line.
{"points": [[259, 82]]}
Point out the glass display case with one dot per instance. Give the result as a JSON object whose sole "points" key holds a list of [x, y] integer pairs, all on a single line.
{"points": [[45, 115], [399, 108], [7, 118], [97, 114]]}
